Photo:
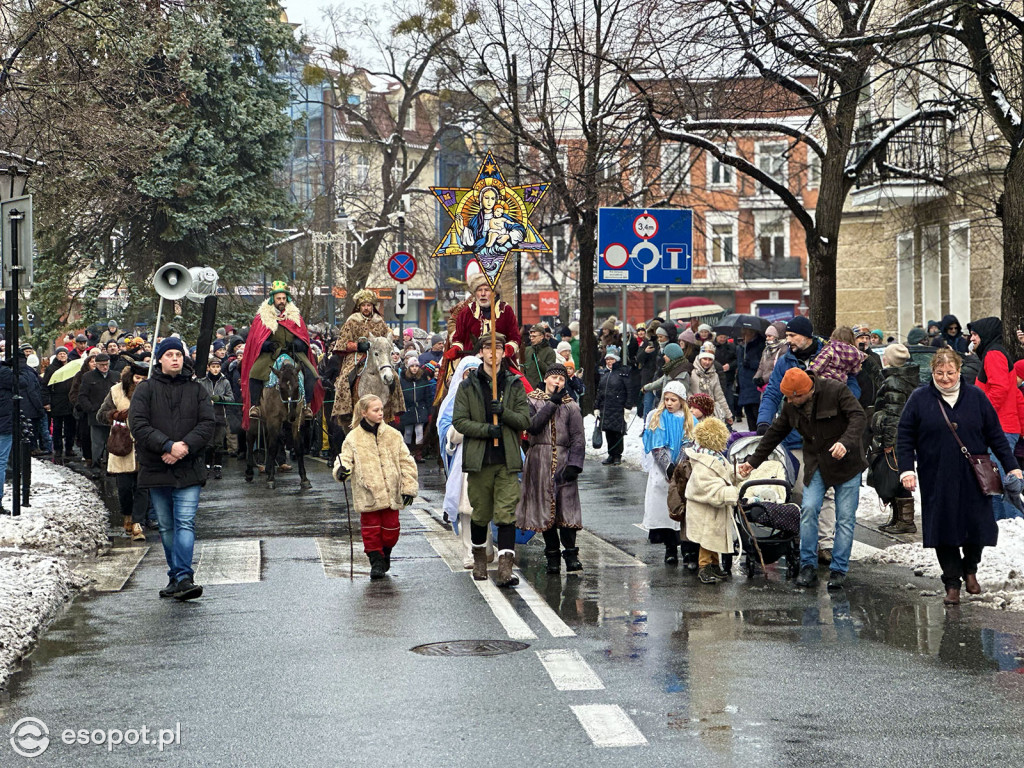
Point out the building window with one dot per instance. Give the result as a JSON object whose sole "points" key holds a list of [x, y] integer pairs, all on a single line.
{"points": [[362, 169], [410, 118], [721, 239], [771, 234], [719, 174], [813, 169], [960, 269], [675, 166], [771, 159]]}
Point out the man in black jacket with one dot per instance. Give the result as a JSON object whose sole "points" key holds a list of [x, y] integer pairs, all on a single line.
{"points": [[31, 393], [172, 421], [96, 384]]}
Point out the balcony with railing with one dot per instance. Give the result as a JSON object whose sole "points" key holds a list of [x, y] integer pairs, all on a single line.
{"points": [[770, 269], [905, 170]]}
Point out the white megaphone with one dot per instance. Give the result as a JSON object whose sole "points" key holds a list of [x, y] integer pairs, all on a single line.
{"points": [[172, 281]]}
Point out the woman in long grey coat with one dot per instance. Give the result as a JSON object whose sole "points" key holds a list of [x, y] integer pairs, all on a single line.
{"points": [[550, 500]]}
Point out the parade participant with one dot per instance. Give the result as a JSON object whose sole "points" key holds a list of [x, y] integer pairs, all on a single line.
{"points": [[491, 455], [171, 418], [219, 389], [710, 497], [473, 322], [456, 498], [352, 345], [550, 502], [956, 514], [668, 427], [384, 480], [831, 423], [277, 329]]}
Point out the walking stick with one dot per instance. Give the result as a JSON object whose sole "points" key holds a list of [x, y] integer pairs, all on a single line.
{"points": [[351, 544]]}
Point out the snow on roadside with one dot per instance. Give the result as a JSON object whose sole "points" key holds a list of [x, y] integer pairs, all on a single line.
{"points": [[66, 519], [1001, 572]]}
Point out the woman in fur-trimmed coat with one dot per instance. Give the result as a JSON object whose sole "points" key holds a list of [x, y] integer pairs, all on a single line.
{"points": [[550, 500], [383, 476]]}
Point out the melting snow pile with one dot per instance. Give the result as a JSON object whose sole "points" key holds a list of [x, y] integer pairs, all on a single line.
{"points": [[67, 518]]}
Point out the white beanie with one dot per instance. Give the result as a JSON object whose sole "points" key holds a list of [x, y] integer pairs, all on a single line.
{"points": [[676, 388], [563, 346]]}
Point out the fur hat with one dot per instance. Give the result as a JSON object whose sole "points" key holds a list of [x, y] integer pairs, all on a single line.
{"points": [[613, 352], [476, 280], [712, 434], [610, 324], [895, 355], [364, 296], [800, 325], [795, 382], [702, 402]]}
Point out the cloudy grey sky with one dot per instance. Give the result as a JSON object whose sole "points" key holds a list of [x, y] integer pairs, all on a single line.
{"points": [[308, 12]]}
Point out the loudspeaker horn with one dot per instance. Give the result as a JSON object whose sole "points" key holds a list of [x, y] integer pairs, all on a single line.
{"points": [[172, 281]]}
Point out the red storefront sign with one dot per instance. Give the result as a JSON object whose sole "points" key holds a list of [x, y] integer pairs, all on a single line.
{"points": [[548, 303]]}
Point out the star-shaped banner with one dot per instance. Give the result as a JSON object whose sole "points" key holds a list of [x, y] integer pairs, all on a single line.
{"points": [[491, 219]]}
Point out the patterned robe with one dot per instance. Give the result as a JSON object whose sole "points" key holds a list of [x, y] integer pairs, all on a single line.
{"points": [[356, 327]]}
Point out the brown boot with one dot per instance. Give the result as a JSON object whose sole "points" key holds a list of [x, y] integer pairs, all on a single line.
{"points": [[894, 517], [506, 561], [905, 511], [417, 454], [480, 562], [971, 582], [137, 533], [127, 526], [952, 596]]}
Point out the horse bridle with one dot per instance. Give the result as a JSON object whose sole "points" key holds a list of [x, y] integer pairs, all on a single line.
{"points": [[291, 401]]}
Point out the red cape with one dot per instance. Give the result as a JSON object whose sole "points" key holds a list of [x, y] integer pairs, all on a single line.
{"points": [[259, 333]]}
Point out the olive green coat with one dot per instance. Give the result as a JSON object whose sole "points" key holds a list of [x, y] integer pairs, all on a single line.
{"points": [[469, 417]]}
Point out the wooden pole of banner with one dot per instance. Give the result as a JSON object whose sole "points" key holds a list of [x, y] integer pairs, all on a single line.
{"points": [[494, 354]]}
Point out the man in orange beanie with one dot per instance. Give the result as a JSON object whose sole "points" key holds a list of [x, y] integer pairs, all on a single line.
{"points": [[831, 423]]}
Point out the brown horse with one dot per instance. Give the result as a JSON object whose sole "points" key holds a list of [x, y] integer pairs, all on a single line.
{"points": [[280, 407]]}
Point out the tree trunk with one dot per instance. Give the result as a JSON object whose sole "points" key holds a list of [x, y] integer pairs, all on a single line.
{"points": [[1012, 300], [821, 276], [586, 239]]}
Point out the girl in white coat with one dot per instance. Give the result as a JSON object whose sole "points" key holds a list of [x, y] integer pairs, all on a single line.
{"points": [[668, 427]]}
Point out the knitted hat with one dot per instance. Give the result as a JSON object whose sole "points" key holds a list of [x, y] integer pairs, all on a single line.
{"points": [[660, 331], [704, 327], [59, 350], [574, 326], [916, 335], [688, 337], [672, 351], [707, 351], [702, 402], [712, 434], [171, 342], [476, 280], [556, 370], [675, 387], [861, 329], [800, 325], [564, 346], [796, 382], [102, 357], [437, 338], [219, 344], [878, 332], [612, 351], [895, 355], [610, 324]]}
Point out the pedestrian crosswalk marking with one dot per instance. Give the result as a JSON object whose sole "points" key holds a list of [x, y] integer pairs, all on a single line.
{"points": [[334, 556], [514, 625], [552, 621], [110, 572], [608, 725], [596, 551], [229, 562], [568, 670]]}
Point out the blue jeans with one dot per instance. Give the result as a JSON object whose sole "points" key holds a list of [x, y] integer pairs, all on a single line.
{"points": [[650, 403], [6, 441], [176, 513], [847, 499], [1000, 508]]}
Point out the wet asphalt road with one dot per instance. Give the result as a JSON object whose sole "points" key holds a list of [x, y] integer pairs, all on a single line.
{"points": [[301, 669]]}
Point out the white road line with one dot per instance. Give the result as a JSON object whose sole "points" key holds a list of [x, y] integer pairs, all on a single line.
{"points": [[552, 621], [596, 551], [444, 542], [861, 550], [229, 562], [111, 571], [608, 725], [516, 628], [334, 556], [568, 670]]}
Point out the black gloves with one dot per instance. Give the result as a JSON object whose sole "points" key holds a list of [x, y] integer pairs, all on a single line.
{"points": [[362, 345], [268, 346], [568, 474], [557, 396], [497, 408], [299, 346], [407, 499], [494, 431], [762, 428]]}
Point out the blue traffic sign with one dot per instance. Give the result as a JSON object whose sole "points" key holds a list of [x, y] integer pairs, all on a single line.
{"points": [[645, 246], [402, 266]]}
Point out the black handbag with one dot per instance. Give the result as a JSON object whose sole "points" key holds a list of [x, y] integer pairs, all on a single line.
{"points": [[598, 438], [984, 470], [883, 475]]}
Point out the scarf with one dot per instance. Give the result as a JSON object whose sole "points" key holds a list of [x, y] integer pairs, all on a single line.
{"points": [[371, 428], [669, 434], [949, 395]]}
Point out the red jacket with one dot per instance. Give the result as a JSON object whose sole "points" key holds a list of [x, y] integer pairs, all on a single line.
{"points": [[1001, 390]]}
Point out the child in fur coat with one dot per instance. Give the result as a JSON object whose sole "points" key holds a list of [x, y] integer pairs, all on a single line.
{"points": [[383, 476], [710, 496]]}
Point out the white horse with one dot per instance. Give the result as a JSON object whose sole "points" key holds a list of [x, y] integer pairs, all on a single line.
{"points": [[377, 376]]}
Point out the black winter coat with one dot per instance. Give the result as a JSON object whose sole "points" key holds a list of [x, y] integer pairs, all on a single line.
{"points": [[649, 363], [954, 511], [419, 399], [60, 404], [166, 409], [30, 390], [92, 391], [613, 397], [898, 385], [870, 378], [748, 360]]}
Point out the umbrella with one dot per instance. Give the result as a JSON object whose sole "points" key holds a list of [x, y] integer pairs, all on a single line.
{"points": [[736, 323], [66, 371]]}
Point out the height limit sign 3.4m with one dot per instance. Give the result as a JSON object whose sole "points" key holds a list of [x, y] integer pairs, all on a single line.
{"points": [[645, 246]]}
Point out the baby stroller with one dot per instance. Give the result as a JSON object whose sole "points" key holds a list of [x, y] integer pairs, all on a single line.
{"points": [[768, 529]]}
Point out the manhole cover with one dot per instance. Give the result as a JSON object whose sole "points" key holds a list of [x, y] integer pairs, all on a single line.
{"points": [[470, 648]]}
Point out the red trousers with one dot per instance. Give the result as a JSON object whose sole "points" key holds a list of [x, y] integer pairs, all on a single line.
{"points": [[380, 529]]}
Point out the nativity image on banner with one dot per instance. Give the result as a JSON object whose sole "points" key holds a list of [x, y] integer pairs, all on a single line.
{"points": [[490, 220]]}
